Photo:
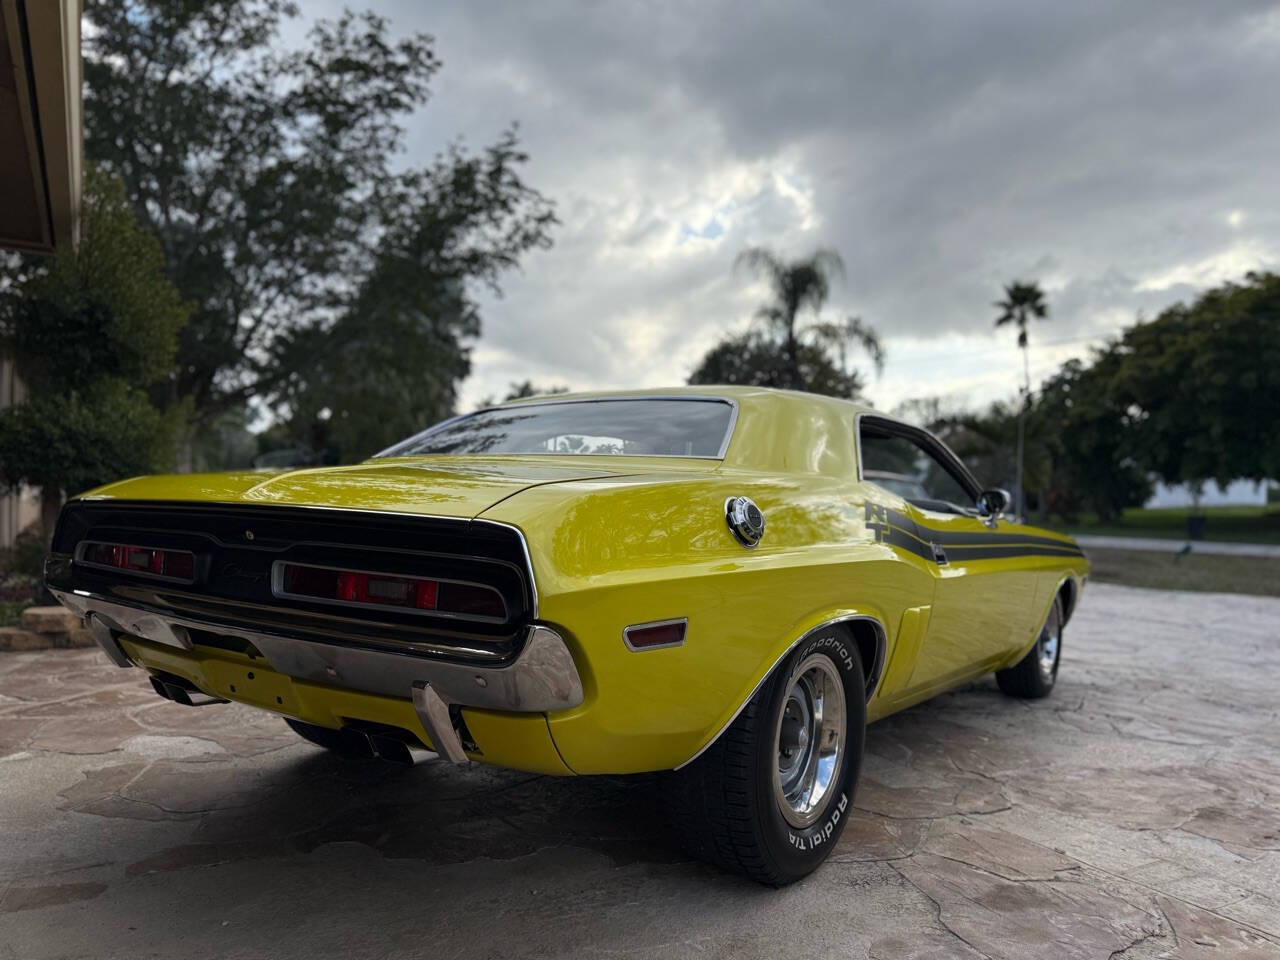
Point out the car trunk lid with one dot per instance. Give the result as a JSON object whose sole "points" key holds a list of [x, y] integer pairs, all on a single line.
{"points": [[461, 487]]}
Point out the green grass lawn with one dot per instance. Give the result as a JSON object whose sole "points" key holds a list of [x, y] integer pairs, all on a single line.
{"points": [[1196, 571], [1231, 524]]}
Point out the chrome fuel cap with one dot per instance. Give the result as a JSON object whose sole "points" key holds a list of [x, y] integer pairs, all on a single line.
{"points": [[745, 520]]}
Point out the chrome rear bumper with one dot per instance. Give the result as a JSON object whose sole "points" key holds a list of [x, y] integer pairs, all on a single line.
{"points": [[543, 678]]}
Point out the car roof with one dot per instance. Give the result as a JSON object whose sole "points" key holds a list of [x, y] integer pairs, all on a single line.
{"points": [[720, 392]]}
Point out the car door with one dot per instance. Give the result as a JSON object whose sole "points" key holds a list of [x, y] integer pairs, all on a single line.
{"points": [[983, 596]]}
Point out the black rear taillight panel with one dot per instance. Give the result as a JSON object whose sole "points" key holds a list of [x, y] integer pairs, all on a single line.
{"points": [[235, 550]]}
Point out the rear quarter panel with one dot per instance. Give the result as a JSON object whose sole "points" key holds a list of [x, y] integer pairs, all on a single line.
{"points": [[608, 554]]}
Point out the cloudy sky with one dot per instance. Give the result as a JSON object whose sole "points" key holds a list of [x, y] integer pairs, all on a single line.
{"points": [[1124, 154]]}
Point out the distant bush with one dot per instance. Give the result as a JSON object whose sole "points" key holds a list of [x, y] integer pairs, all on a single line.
{"points": [[21, 570], [26, 558]]}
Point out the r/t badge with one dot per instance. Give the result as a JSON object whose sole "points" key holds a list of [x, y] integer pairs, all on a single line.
{"points": [[877, 521]]}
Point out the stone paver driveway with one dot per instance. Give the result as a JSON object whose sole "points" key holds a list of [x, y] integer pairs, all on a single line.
{"points": [[1136, 813]]}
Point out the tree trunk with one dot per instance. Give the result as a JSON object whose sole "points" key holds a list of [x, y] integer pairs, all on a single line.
{"points": [[1022, 427], [1017, 482], [793, 362]]}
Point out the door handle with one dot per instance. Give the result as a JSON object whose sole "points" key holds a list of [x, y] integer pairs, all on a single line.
{"points": [[939, 555]]}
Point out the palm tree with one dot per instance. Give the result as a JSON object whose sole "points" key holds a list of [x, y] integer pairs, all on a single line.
{"points": [[852, 330], [1021, 302], [803, 283]]}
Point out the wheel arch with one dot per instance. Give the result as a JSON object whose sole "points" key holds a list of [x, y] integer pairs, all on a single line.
{"points": [[865, 630], [1069, 591]]}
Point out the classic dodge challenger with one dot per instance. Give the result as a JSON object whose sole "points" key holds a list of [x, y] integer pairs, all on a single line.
{"points": [[726, 584]]}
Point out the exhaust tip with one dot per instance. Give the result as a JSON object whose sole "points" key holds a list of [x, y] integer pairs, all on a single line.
{"points": [[182, 691], [365, 741], [391, 749]]}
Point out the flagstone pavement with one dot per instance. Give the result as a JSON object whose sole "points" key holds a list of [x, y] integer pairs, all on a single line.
{"points": [[1133, 814]]}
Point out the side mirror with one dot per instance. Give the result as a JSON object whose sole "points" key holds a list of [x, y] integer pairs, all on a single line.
{"points": [[994, 502]]}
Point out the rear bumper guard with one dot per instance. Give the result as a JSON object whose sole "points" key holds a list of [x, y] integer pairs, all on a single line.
{"points": [[542, 679]]}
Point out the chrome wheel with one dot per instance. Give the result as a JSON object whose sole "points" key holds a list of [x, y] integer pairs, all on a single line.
{"points": [[809, 740], [1050, 638]]}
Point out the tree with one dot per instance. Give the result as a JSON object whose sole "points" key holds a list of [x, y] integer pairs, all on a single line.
{"points": [[795, 285], [90, 332], [270, 178], [392, 361], [934, 413], [1021, 302], [1090, 441], [752, 359], [1079, 451], [522, 390], [1200, 385], [851, 330], [787, 354], [986, 440]]}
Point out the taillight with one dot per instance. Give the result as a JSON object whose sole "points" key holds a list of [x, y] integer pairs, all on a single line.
{"points": [[389, 590], [178, 564]]}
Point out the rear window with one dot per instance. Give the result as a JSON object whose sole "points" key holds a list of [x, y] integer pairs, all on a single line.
{"points": [[657, 427]]}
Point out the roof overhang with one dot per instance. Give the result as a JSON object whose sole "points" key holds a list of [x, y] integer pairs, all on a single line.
{"points": [[41, 137]]}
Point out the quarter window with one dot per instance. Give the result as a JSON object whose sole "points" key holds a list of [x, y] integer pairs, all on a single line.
{"points": [[904, 465]]}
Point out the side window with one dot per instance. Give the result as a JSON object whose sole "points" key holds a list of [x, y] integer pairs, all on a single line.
{"points": [[902, 465]]}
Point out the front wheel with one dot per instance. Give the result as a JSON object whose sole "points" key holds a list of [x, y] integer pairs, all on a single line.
{"points": [[771, 796], [1035, 674]]}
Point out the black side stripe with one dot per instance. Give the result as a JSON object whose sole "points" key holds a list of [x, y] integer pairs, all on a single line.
{"points": [[895, 537], [898, 530], [995, 553], [948, 537]]}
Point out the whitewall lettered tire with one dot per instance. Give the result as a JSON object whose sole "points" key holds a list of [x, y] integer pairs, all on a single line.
{"points": [[771, 796]]}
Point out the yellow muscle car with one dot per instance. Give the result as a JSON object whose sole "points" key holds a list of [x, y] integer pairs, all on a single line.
{"points": [[724, 583]]}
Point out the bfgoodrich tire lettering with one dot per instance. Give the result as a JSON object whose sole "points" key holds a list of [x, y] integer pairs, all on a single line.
{"points": [[726, 804]]}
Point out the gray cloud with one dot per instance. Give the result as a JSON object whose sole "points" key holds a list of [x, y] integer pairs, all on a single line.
{"points": [[1123, 153]]}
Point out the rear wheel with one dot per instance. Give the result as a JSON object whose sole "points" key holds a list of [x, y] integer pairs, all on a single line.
{"points": [[771, 796], [1035, 674]]}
